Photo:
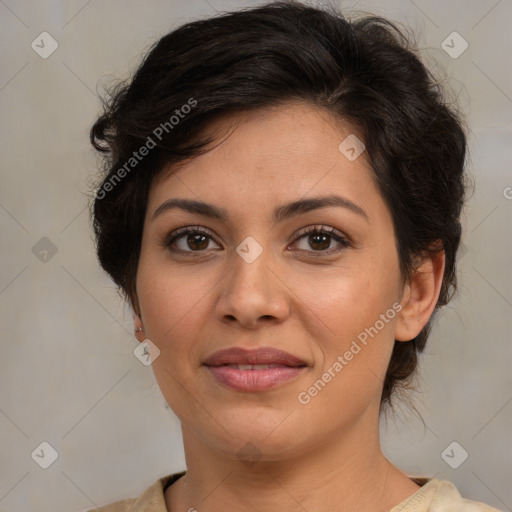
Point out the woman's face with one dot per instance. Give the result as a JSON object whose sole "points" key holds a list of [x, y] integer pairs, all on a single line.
{"points": [[256, 280]]}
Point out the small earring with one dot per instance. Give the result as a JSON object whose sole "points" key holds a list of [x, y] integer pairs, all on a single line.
{"points": [[139, 329]]}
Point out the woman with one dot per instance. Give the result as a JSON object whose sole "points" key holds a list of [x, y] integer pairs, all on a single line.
{"points": [[281, 206]]}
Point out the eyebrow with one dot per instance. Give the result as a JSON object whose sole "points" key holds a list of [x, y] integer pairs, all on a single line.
{"points": [[281, 213]]}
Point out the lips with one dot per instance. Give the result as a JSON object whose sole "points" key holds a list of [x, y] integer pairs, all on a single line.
{"points": [[253, 370], [260, 356]]}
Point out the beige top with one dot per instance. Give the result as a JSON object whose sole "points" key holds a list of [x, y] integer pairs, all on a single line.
{"points": [[434, 496]]}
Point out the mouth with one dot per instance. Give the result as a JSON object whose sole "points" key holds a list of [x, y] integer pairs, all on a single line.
{"points": [[254, 366], [254, 370]]}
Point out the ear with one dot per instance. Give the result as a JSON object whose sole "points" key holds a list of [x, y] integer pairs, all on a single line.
{"points": [[137, 321], [420, 296]]}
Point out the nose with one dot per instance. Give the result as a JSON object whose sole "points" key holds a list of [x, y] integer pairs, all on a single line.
{"points": [[252, 294]]}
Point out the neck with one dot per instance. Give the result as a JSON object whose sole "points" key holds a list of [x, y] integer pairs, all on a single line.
{"points": [[346, 472]]}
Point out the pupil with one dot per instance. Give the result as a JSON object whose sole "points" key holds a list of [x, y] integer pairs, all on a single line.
{"points": [[324, 239], [195, 239]]}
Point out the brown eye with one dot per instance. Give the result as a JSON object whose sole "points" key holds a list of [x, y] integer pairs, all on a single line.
{"points": [[319, 241], [320, 238], [189, 239], [197, 242]]}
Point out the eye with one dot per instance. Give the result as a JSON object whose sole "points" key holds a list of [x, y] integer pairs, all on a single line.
{"points": [[319, 238], [189, 239]]}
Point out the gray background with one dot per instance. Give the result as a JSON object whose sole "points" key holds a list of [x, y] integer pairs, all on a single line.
{"points": [[68, 373]]}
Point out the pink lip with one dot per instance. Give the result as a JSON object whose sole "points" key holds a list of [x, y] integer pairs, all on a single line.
{"points": [[284, 368]]}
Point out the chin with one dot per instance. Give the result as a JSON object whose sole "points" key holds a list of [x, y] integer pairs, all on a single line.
{"points": [[258, 432]]}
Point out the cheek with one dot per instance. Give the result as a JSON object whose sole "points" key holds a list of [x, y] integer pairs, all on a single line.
{"points": [[355, 357], [349, 299], [356, 309], [170, 303], [167, 293], [175, 302]]}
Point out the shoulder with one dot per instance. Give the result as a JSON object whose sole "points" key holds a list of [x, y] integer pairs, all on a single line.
{"points": [[439, 496], [151, 500], [117, 506], [448, 495]]}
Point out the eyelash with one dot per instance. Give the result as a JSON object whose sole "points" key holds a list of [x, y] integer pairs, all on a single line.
{"points": [[310, 230]]}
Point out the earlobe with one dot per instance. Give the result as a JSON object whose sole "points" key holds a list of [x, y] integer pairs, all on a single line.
{"points": [[420, 296], [138, 327]]}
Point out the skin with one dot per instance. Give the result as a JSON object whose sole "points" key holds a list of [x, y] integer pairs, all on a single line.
{"points": [[295, 296]]}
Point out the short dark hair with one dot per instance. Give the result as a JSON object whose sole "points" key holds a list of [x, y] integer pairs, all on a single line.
{"points": [[365, 72]]}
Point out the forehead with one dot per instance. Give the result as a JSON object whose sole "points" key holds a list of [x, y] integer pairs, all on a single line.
{"points": [[283, 152]]}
